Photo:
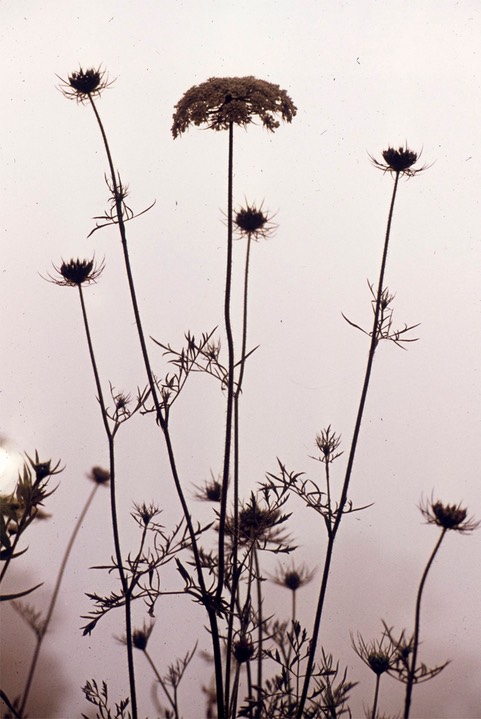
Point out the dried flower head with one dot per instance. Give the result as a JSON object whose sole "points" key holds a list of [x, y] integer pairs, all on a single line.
{"points": [[243, 649], [399, 162], [380, 656], [43, 469], [327, 442], [259, 523], [99, 475], [140, 637], [82, 85], [77, 272], [448, 516], [253, 223], [144, 513], [224, 100], [210, 492], [293, 578]]}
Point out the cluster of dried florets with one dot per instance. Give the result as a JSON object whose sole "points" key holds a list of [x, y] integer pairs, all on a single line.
{"points": [[222, 101], [448, 516], [399, 162], [82, 85], [77, 272], [252, 222]]}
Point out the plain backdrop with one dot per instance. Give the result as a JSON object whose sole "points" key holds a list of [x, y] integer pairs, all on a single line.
{"points": [[364, 75]]}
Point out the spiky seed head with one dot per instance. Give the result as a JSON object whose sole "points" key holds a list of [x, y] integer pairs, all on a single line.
{"points": [[448, 516], [82, 85], [399, 161], [77, 272]]}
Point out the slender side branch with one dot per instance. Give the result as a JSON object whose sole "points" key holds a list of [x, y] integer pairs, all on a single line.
{"points": [[113, 507], [417, 627], [53, 600]]}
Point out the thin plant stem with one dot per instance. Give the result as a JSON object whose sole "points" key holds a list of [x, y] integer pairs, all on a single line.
{"points": [[9, 704], [235, 691], [230, 366], [350, 463], [145, 355], [46, 622], [260, 630], [376, 696], [417, 626], [113, 510], [162, 684], [235, 541], [162, 421]]}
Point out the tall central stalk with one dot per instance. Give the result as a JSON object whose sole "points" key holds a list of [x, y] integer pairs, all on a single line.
{"points": [[230, 377], [350, 463], [162, 421]]}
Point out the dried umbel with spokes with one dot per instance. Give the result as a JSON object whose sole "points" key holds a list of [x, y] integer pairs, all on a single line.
{"points": [[222, 101]]}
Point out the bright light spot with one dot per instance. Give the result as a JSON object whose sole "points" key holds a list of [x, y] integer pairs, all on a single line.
{"points": [[10, 461]]}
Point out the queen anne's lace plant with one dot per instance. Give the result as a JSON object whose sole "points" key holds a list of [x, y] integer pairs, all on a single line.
{"points": [[224, 100]]}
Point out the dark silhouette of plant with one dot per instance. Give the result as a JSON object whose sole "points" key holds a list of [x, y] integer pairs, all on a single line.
{"points": [[264, 666]]}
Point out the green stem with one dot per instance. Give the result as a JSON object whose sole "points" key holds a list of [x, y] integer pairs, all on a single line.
{"points": [[417, 626], [350, 463], [53, 600]]}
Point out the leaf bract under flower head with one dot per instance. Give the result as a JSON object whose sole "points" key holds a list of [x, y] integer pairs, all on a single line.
{"points": [[224, 100]]}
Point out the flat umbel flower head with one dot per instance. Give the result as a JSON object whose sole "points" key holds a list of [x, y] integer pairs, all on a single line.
{"points": [[399, 161], [84, 84], [77, 272], [224, 100], [448, 516]]}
